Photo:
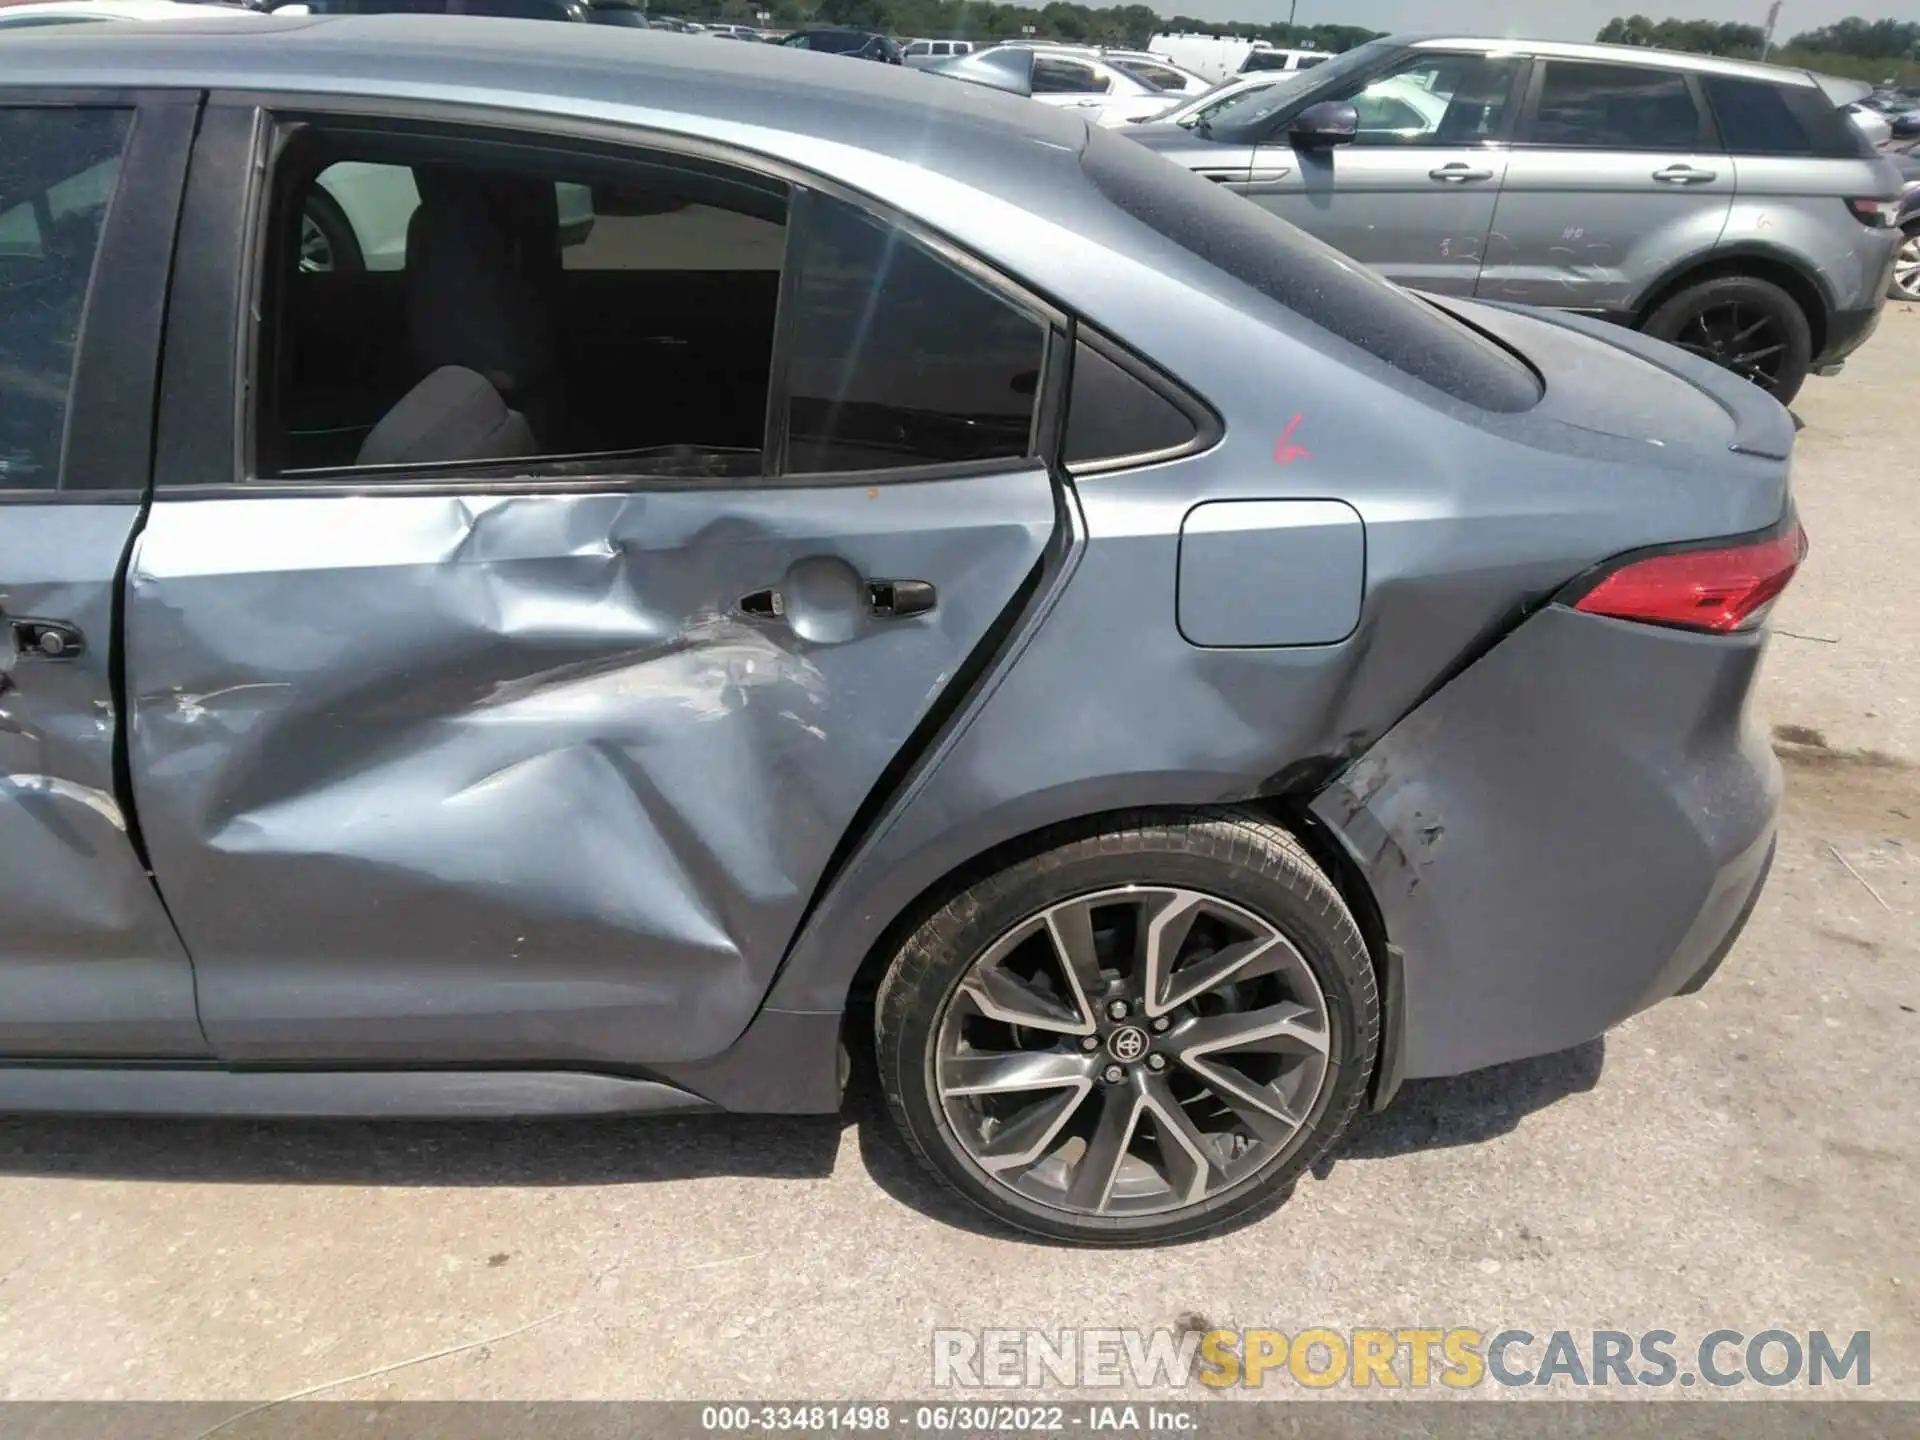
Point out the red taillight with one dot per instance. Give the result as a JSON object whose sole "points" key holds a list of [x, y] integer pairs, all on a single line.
{"points": [[1879, 214], [1719, 590]]}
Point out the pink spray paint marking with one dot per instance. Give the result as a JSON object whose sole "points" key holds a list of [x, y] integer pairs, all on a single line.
{"points": [[1285, 452]]}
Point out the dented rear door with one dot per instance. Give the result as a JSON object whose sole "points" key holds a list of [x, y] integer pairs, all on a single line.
{"points": [[459, 778], [519, 767]]}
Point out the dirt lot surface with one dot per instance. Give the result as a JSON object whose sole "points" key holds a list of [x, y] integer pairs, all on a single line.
{"points": [[1746, 1158]]}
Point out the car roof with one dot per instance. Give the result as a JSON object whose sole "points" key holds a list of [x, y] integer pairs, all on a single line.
{"points": [[776, 99], [1612, 54]]}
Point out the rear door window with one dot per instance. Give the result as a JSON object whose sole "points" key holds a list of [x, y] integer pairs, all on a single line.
{"points": [[1584, 106], [58, 171], [899, 357]]}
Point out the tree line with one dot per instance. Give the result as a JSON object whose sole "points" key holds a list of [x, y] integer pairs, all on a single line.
{"points": [[1865, 49], [1121, 25]]}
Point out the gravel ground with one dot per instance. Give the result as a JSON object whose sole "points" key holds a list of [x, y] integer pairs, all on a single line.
{"points": [[1731, 1159]]}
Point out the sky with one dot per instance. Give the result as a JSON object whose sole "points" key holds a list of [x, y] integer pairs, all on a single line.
{"points": [[1536, 19]]}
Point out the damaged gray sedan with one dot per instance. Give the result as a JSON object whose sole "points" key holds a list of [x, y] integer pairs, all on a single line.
{"points": [[899, 572]]}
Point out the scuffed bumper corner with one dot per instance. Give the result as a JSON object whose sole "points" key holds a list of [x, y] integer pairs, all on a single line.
{"points": [[1848, 330], [1575, 827]]}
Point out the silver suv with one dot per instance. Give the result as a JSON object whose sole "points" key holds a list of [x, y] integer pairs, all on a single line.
{"points": [[1724, 206]]}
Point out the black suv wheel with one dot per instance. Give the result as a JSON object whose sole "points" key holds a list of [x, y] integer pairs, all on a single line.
{"points": [[1743, 324]]}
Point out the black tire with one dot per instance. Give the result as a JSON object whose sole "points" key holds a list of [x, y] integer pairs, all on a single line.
{"points": [[1239, 858], [1694, 320], [322, 216]]}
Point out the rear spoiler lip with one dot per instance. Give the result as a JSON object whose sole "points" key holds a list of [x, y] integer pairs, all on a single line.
{"points": [[1762, 427]]}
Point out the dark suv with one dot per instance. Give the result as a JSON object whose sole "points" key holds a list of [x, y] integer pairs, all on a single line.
{"points": [[1727, 207]]}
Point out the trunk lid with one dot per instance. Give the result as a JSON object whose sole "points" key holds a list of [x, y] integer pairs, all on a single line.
{"points": [[1614, 381]]}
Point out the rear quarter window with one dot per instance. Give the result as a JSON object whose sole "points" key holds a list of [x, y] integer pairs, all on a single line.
{"points": [[1756, 118], [1312, 279], [1830, 133]]}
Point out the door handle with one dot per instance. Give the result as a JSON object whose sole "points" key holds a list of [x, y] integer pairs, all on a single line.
{"points": [[897, 599], [47, 639], [1457, 173], [1684, 175], [886, 600]]}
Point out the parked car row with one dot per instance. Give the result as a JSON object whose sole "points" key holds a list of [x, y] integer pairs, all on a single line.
{"points": [[1733, 209], [1727, 207], [1222, 57]]}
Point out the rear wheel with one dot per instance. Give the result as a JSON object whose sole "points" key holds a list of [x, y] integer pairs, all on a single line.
{"points": [[1140, 1035], [1906, 266], [1743, 324]]}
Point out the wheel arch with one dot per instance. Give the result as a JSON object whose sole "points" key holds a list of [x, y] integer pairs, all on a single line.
{"points": [[1288, 811], [1762, 262]]}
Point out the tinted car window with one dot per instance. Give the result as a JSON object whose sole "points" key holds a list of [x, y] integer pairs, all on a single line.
{"points": [[898, 356], [835, 42], [1615, 107], [1828, 130], [58, 168], [1757, 118], [1067, 77], [1158, 76], [1313, 280], [1114, 414], [1754, 118]]}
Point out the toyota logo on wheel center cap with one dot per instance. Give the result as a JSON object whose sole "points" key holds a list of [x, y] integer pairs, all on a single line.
{"points": [[1127, 1044]]}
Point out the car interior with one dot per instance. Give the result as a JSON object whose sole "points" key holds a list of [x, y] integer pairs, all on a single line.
{"points": [[644, 330]]}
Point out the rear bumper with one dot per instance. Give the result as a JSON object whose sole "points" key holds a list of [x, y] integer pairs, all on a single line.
{"points": [[1575, 827], [1848, 330]]}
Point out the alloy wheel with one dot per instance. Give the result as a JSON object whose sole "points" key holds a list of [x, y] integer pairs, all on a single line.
{"points": [[316, 250], [1741, 337], [1132, 1051], [1906, 269]]}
